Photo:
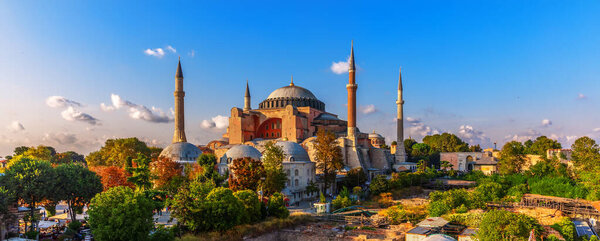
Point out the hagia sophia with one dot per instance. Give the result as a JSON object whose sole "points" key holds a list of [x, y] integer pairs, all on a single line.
{"points": [[291, 116]]}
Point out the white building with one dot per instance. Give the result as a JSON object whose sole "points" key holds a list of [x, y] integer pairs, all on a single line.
{"points": [[297, 165]]}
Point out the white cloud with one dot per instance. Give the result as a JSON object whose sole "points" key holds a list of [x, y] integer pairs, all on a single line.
{"points": [[367, 109], [417, 129], [138, 112], [470, 135], [60, 138], [157, 52], [170, 48], [546, 122], [524, 136], [581, 96], [61, 102], [340, 67], [106, 108], [597, 129], [71, 114], [218, 122], [192, 53], [15, 126]]}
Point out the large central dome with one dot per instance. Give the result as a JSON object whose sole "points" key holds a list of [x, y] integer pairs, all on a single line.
{"points": [[291, 95], [291, 91]]}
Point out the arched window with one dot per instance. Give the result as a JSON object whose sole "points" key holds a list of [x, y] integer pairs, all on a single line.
{"points": [[292, 159], [287, 172], [296, 182], [296, 172], [228, 160]]}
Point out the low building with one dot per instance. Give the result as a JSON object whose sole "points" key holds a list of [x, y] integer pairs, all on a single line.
{"points": [[486, 162], [563, 155], [406, 166], [430, 227]]}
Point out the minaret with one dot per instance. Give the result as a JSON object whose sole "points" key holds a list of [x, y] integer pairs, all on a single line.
{"points": [[400, 152], [247, 98], [351, 86], [179, 134]]}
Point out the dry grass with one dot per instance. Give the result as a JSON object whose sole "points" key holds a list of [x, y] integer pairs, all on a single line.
{"points": [[252, 230]]}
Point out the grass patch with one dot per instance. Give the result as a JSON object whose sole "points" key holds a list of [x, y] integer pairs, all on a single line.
{"points": [[252, 230]]}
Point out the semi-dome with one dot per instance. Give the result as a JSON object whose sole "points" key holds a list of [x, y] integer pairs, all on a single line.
{"points": [[181, 152], [291, 95], [293, 151], [240, 151]]}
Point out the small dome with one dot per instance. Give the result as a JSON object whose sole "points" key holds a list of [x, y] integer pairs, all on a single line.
{"points": [[374, 135], [291, 91], [438, 237], [293, 150], [181, 151], [327, 116], [241, 151]]}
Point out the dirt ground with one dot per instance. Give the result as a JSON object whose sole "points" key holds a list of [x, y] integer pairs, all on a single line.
{"points": [[333, 231]]}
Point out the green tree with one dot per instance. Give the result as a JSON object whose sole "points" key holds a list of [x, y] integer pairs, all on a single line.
{"points": [[208, 162], [20, 150], [379, 184], [32, 181], [120, 214], [188, 205], [475, 148], [46, 153], [446, 142], [541, 145], [69, 157], [78, 186], [355, 177], [329, 157], [585, 154], [275, 177], [251, 204], [420, 151], [512, 158], [408, 144], [501, 225], [276, 206], [7, 199], [116, 152], [141, 175], [222, 210], [566, 228]]}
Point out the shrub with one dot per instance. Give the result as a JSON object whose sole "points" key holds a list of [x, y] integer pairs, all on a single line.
{"points": [[437, 209], [74, 225], [566, 228], [396, 214], [341, 202], [222, 210], [472, 219], [162, 234], [120, 214], [385, 200], [490, 191], [251, 204], [276, 206], [498, 225], [379, 184]]}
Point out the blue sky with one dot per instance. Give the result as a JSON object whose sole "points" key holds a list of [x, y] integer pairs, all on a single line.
{"points": [[489, 71]]}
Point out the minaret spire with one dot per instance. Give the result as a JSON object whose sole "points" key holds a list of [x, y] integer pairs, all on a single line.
{"points": [[292, 83], [351, 66], [400, 152], [351, 87], [179, 133], [247, 98]]}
